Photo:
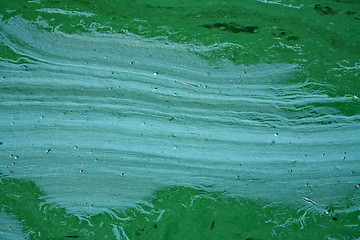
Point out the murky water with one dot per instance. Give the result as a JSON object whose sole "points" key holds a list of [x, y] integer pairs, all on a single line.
{"points": [[231, 120]]}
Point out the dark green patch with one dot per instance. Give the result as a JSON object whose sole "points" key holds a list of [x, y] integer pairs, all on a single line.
{"points": [[325, 10], [232, 27], [292, 38], [350, 13]]}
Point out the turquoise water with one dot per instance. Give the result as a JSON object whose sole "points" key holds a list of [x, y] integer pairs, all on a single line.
{"points": [[186, 120]]}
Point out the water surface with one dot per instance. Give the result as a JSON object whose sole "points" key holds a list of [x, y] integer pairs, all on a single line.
{"points": [[231, 120]]}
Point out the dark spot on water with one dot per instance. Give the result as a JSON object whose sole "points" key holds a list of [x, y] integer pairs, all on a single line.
{"points": [[249, 239], [0, 143], [335, 219], [72, 236], [155, 226], [232, 27], [212, 225], [325, 10], [289, 38], [350, 13], [139, 231]]}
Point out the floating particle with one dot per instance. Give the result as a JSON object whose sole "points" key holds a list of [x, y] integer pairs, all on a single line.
{"points": [[76, 147], [47, 151], [81, 170], [344, 153], [327, 212], [276, 134], [290, 171], [307, 185], [322, 155], [0, 143], [343, 158], [11, 155], [16, 157], [131, 63], [156, 73], [11, 171], [237, 177], [353, 172], [122, 174]]}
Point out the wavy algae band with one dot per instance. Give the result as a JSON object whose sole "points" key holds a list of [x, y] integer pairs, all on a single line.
{"points": [[118, 136]]}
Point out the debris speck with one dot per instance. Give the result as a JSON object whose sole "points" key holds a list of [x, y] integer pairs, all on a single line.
{"points": [[122, 174], [156, 73], [81, 170], [290, 171], [327, 212], [47, 151]]}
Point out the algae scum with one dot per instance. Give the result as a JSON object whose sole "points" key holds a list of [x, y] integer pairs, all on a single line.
{"points": [[188, 120]]}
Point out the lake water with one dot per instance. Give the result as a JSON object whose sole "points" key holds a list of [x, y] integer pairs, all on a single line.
{"points": [[180, 120]]}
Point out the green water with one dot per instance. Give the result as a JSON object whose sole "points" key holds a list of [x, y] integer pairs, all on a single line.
{"points": [[179, 120]]}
